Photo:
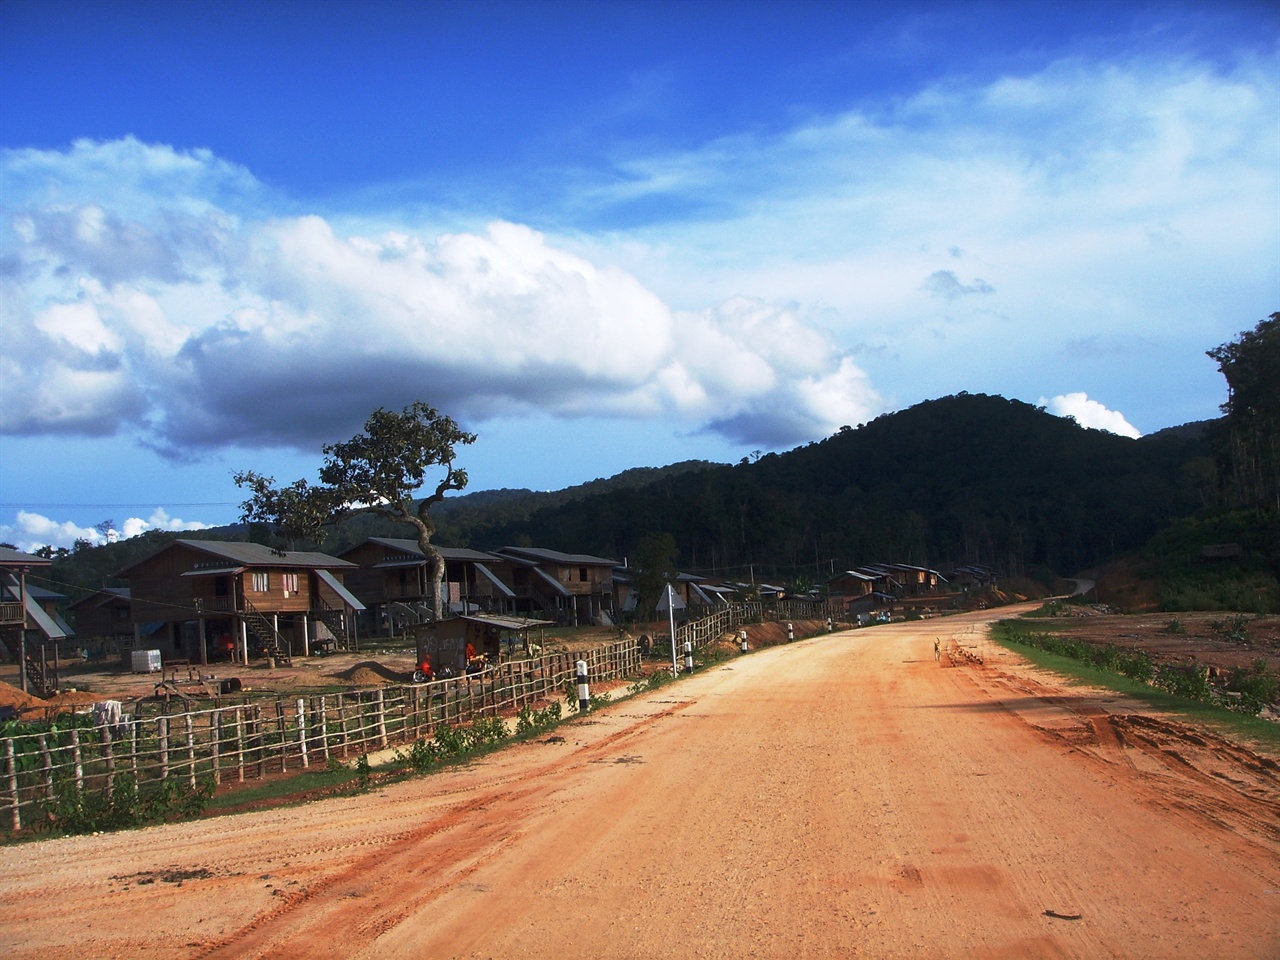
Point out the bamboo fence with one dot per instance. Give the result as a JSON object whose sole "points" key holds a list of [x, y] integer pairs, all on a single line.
{"points": [[260, 738]]}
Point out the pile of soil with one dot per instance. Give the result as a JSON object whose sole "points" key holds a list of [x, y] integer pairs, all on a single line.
{"points": [[11, 696], [370, 673]]}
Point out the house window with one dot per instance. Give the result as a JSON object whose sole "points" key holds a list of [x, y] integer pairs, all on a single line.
{"points": [[261, 582], [290, 583], [582, 574]]}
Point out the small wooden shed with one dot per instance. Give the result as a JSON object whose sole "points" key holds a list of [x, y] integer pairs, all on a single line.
{"points": [[492, 637]]}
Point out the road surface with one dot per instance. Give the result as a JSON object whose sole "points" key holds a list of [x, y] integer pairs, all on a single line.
{"points": [[845, 796]]}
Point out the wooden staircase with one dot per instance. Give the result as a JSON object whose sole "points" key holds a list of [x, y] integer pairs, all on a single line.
{"points": [[335, 619], [41, 682], [273, 645]]}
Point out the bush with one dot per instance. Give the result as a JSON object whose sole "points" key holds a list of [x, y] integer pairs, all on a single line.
{"points": [[77, 810], [1256, 686]]}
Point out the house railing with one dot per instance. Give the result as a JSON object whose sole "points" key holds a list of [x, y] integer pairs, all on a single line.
{"points": [[13, 613]]}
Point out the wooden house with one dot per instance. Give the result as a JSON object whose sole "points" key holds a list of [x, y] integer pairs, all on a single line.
{"points": [[392, 580], [916, 580], [104, 616], [576, 588], [29, 624], [202, 599]]}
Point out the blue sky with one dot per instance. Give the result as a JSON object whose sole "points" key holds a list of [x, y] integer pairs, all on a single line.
{"points": [[604, 235]]}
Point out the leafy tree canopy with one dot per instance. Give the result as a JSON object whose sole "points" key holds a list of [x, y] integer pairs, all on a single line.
{"points": [[377, 471]]}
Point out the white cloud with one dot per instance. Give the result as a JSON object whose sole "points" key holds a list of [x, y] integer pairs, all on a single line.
{"points": [[1091, 414], [31, 531], [205, 326]]}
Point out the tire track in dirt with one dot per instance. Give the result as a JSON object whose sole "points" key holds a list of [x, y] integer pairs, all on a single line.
{"points": [[366, 896]]}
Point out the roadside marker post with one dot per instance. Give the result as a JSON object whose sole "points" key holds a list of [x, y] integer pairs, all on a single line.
{"points": [[671, 616], [791, 632], [584, 690], [744, 640], [688, 656]]}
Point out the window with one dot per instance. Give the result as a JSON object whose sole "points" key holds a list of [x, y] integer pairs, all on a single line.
{"points": [[290, 583], [261, 582], [582, 574]]}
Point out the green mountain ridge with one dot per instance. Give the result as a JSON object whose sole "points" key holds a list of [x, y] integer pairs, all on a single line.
{"points": [[967, 478]]}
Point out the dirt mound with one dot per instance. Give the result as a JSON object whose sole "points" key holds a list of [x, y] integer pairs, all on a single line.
{"points": [[370, 673], [11, 696]]}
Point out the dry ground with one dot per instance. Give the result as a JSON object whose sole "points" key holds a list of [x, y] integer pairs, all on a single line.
{"points": [[846, 796]]}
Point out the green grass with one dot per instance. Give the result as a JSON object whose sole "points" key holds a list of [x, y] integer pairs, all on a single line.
{"points": [[1264, 733]]}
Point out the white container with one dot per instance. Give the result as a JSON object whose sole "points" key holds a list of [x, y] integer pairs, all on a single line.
{"points": [[146, 661]]}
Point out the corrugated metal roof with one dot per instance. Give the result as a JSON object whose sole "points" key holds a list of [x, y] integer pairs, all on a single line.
{"points": [[555, 556], [16, 558], [502, 587], [251, 555], [347, 596]]}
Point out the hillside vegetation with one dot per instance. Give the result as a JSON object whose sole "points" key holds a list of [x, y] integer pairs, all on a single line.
{"points": [[964, 479]]}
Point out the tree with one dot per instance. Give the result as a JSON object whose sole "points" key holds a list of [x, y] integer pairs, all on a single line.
{"points": [[1251, 365], [377, 471], [655, 564]]}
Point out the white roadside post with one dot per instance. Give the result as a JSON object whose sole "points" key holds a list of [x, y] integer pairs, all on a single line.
{"points": [[584, 690], [830, 625], [688, 656], [743, 634], [791, 632], [671, 617]]}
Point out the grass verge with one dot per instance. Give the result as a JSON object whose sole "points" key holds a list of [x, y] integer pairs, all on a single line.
{"points": [[1264, 733]]}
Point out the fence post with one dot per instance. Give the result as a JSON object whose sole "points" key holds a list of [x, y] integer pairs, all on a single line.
{"points": [[47, 761], [135, 728], [109, 756], [284, 736], [258, 736], [215, 748], [191, 750], [324, 728], [240, 744], [300, 708], [75, 755], [382, 718], [11, 764]]}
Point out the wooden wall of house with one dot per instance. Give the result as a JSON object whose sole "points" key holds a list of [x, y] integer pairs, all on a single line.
{"points": [[95, 617]]}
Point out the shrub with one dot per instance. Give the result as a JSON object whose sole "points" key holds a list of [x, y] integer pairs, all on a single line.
{"points": [[1257, 687]]}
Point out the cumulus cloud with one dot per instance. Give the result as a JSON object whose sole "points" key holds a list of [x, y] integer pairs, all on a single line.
{"points": [[1091, 414], [198, 325], [30, 531]]}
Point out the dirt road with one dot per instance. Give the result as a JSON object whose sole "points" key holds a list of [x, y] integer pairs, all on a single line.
{"points": [[846, 796]]}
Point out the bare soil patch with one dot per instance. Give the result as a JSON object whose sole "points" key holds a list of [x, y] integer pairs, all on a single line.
{"points": [[1201, 638]]}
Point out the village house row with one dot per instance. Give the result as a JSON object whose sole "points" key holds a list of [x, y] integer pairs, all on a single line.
{"points": [[202, 600]]}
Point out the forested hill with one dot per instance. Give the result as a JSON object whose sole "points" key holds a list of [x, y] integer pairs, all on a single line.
{"points": [[965, 478]]}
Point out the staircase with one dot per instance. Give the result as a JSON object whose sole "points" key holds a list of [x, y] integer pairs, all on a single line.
{"points": [[335, 620], [38, 679], [273, 644]]}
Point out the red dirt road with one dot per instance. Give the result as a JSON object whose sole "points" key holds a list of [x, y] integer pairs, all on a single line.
{"points": [[845, 796]]}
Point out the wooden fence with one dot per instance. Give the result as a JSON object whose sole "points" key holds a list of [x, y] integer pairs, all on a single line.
{"points": [[255, 739]]}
